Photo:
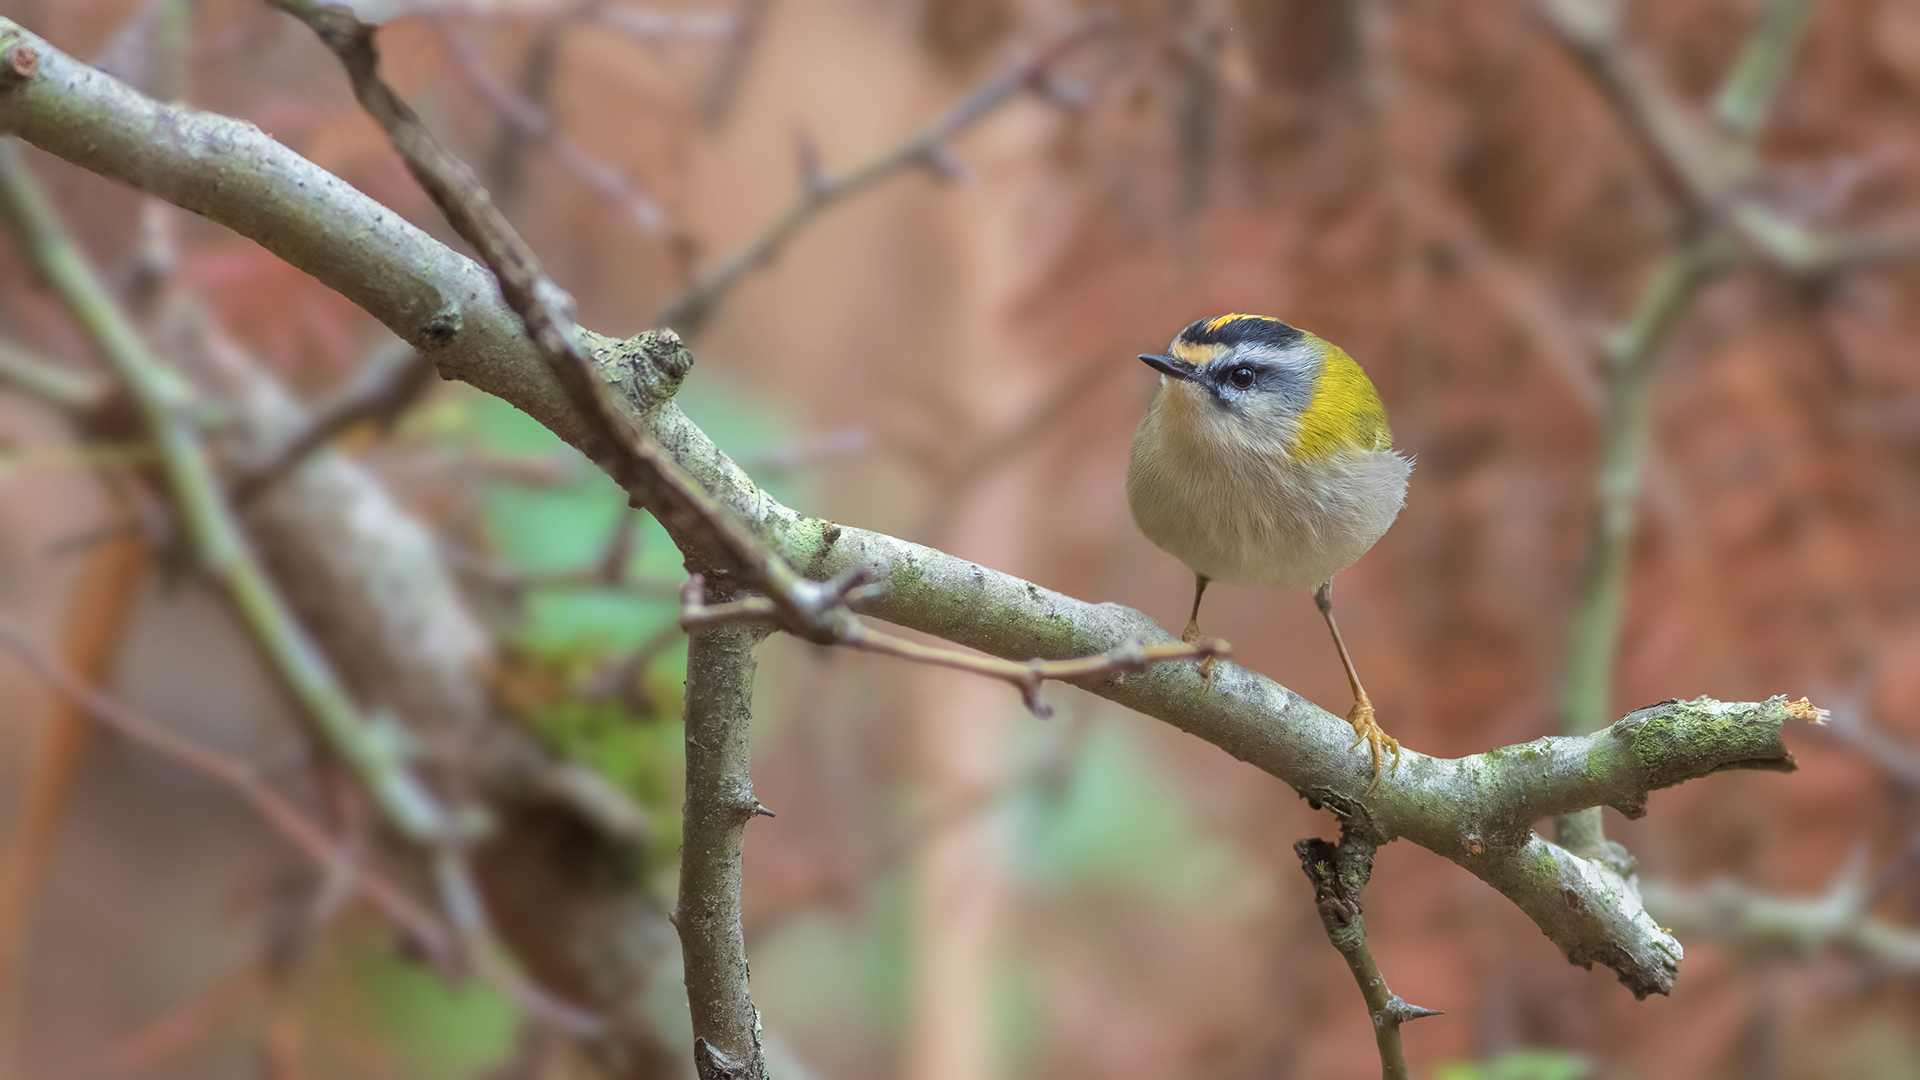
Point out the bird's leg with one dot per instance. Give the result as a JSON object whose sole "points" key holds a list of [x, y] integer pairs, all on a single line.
{"points": [[1365, 728], [1192, 634]]}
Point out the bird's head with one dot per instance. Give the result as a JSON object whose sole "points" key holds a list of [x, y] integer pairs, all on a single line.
{"points": [[1271, 387]]}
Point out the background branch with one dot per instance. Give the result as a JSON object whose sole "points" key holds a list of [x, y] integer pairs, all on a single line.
{"points": [[626, 452], [375, 753], [389, 382], [1474, 810], [927, 148], [423, 929]]}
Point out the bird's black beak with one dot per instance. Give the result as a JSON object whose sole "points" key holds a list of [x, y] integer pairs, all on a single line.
{"points": [[1168, 366]]}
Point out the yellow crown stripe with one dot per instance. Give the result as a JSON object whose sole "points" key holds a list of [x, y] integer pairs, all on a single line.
{"points": [[1346, 413], [1215, 325], [1197, 355]]}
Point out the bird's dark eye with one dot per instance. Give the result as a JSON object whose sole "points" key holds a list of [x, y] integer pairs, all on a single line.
{"points": [[1241, 377]]}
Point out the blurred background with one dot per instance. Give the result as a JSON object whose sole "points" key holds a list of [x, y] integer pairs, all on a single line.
{"points": [[952, 888]]}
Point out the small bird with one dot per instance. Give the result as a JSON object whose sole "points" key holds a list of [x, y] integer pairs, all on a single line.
{"points": [[1265, 459]]}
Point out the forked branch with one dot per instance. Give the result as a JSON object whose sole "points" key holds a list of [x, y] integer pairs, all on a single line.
{"points": [[1476, 811]]}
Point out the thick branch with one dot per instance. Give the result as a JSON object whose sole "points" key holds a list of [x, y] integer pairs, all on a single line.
{"points": [[1473, 810], [720, 803]]}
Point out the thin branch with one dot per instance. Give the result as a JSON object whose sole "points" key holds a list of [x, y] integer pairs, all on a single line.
{"points": [[1713, 167], [1840, 920], [1853, 727], [1625, 434], [533, 125], [63, 389], [1338, 873], [1707, 166], [647, 26], [719, 804], [1133, 656], [421, 927], [660, 27], [730, 67], [386, 386], [927, 148], [1761, 69], [425, 931], [373, 747], [377, 747], [650, 476]]}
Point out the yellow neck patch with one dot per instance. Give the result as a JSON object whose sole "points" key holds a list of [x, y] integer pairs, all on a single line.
{"points": [[1346, 413]]}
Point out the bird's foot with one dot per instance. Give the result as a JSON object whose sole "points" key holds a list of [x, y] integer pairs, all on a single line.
{"points": [[1192, 636], [1368, 730]]}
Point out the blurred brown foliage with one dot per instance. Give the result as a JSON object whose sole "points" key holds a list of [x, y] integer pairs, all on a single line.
{"points": [[1433, 185]]}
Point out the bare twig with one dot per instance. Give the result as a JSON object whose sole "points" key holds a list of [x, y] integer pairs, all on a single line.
{"points": [[433, 937], [65, 390], [719, 804], [661, 27], [422, 928], [1135, 655], [377, 748], [1706, 167], [730, 67], [387, 385], [373, 747], [1713, 167], [1338, 873], [1852, 727], [711, 535], [1758, 922], [533, 125], [927, 148], [648, 26]]}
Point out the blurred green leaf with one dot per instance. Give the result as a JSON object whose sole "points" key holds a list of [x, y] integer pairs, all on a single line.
{"points": [[436, 1029], [1118, 822], [1521, 1065]]}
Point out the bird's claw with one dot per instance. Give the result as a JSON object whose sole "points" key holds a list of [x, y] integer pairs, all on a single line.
{"points": [[1192, 636], [1367, 730]]}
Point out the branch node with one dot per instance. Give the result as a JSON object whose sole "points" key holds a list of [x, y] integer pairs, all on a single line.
{"points": [[22, 63]]}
